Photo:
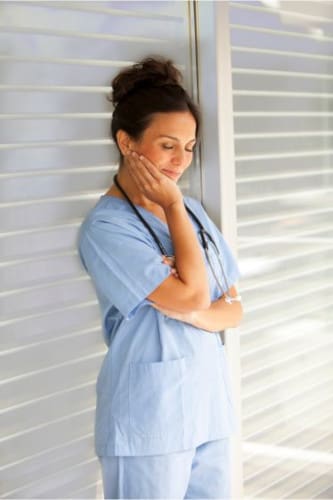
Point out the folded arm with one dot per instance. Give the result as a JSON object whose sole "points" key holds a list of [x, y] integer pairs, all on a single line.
{"points": [[219, 316]]}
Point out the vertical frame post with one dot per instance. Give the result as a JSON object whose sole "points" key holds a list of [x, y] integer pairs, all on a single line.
{"points": [[218, 166]]}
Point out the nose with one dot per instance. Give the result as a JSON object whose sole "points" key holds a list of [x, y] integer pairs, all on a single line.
{"points": [[178, 158]]}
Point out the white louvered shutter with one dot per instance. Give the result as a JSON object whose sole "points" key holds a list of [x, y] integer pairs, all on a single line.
{"points": [[282, 60], [57, 60]]}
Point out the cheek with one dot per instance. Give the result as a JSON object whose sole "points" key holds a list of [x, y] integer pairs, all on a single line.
{"points": [[156, 155]]}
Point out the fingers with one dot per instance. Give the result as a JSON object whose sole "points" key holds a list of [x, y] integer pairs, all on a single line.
{"points": [[143, 174], [143, 168], [170, 260], [151, 182]]}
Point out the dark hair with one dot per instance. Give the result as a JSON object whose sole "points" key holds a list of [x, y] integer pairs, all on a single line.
{"points": [[153, 85]]}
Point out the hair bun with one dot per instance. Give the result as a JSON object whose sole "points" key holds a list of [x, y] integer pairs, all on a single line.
{"points": [[150, 72]]}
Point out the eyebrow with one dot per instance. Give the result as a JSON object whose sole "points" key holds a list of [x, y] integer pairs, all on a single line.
{"points": [[174, 138]]}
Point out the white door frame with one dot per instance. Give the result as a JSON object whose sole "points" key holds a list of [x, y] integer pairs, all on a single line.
{"points": [[218, 165]]}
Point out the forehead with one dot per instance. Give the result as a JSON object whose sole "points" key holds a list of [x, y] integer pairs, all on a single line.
{"points": [[177, 124]]}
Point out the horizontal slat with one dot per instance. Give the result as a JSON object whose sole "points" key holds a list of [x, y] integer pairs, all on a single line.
{"points": [[288, 154], [42, 426], [269, 321], [16, 275], [322, 232], [17, 377], [257, 51], [255, 8], [52, 407], [277, 123], [57, 144], [273, 455], [300, 481], [14, 476], [288, 175], [56, 433], [293, 460], [278, 165], [279, 135], [281, 196], [263, 427], [311, 486], [255, 114], [112, 63], [279, 103], [24, 330], [31, 188], [253, 62], [279, 32], [264, 80], [312, 212], [86, 342], [50, 171], [166, 11], [19, 390], [282, 274], [273, 145], [24, 244], [285, 94], [283, 396], [322, 295], [37, 30], [62, 483], [99, 89], [93, 329], [52, 158], [56, 116], [251, 390], [44, 298], [288, 252], [254, 364], [92, 490]]}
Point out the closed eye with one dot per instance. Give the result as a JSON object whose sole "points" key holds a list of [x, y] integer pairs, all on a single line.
{"points": [[166, 146]]}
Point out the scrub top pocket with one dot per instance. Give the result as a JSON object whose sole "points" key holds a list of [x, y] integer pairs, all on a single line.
{"points": [[156, 396]]}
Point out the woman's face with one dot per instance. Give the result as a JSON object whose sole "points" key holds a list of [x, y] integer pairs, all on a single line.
{"points": [[168, 142]]}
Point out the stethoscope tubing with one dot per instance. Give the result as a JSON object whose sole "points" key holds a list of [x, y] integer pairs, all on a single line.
{"points": [[204, 235]]}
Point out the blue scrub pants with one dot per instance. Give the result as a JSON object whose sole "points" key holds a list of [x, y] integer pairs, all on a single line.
{"points": [[202, 472]]}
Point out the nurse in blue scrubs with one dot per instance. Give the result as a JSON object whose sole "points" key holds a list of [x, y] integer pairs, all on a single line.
{"points": [[165, 279]]}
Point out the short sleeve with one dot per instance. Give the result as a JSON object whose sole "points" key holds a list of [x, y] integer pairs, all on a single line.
{"points": [[229, 261], [122, 262]]}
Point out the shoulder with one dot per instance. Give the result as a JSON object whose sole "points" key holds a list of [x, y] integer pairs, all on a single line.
{"points": [[197, 207], [193, 203], [108, 224]]}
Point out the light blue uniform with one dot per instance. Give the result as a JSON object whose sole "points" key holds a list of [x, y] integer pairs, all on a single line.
{"points": [[163, 386]]}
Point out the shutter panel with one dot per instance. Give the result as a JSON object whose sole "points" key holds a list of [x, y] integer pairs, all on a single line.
{"points": [[282, 63], [57, 61]]}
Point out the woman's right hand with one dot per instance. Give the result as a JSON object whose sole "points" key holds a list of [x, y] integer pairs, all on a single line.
{"points": [[153, 184]]}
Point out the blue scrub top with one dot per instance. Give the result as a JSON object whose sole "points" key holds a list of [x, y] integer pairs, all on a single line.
{"points": [[164, 384]]}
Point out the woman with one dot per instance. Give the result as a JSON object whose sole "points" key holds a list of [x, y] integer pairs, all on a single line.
{"points": [[164, 408]]}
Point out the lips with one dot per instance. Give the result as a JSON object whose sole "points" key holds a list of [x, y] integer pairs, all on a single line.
{"points": [[171, 173]]}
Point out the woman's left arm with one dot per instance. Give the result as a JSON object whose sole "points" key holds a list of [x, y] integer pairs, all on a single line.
{"points": [[217, 317]]}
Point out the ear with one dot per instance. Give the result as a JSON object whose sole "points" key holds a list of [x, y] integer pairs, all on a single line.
{"points": [[124, 141]]}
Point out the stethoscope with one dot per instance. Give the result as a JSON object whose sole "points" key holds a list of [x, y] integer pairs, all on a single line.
{"points": [[204, 235]]}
